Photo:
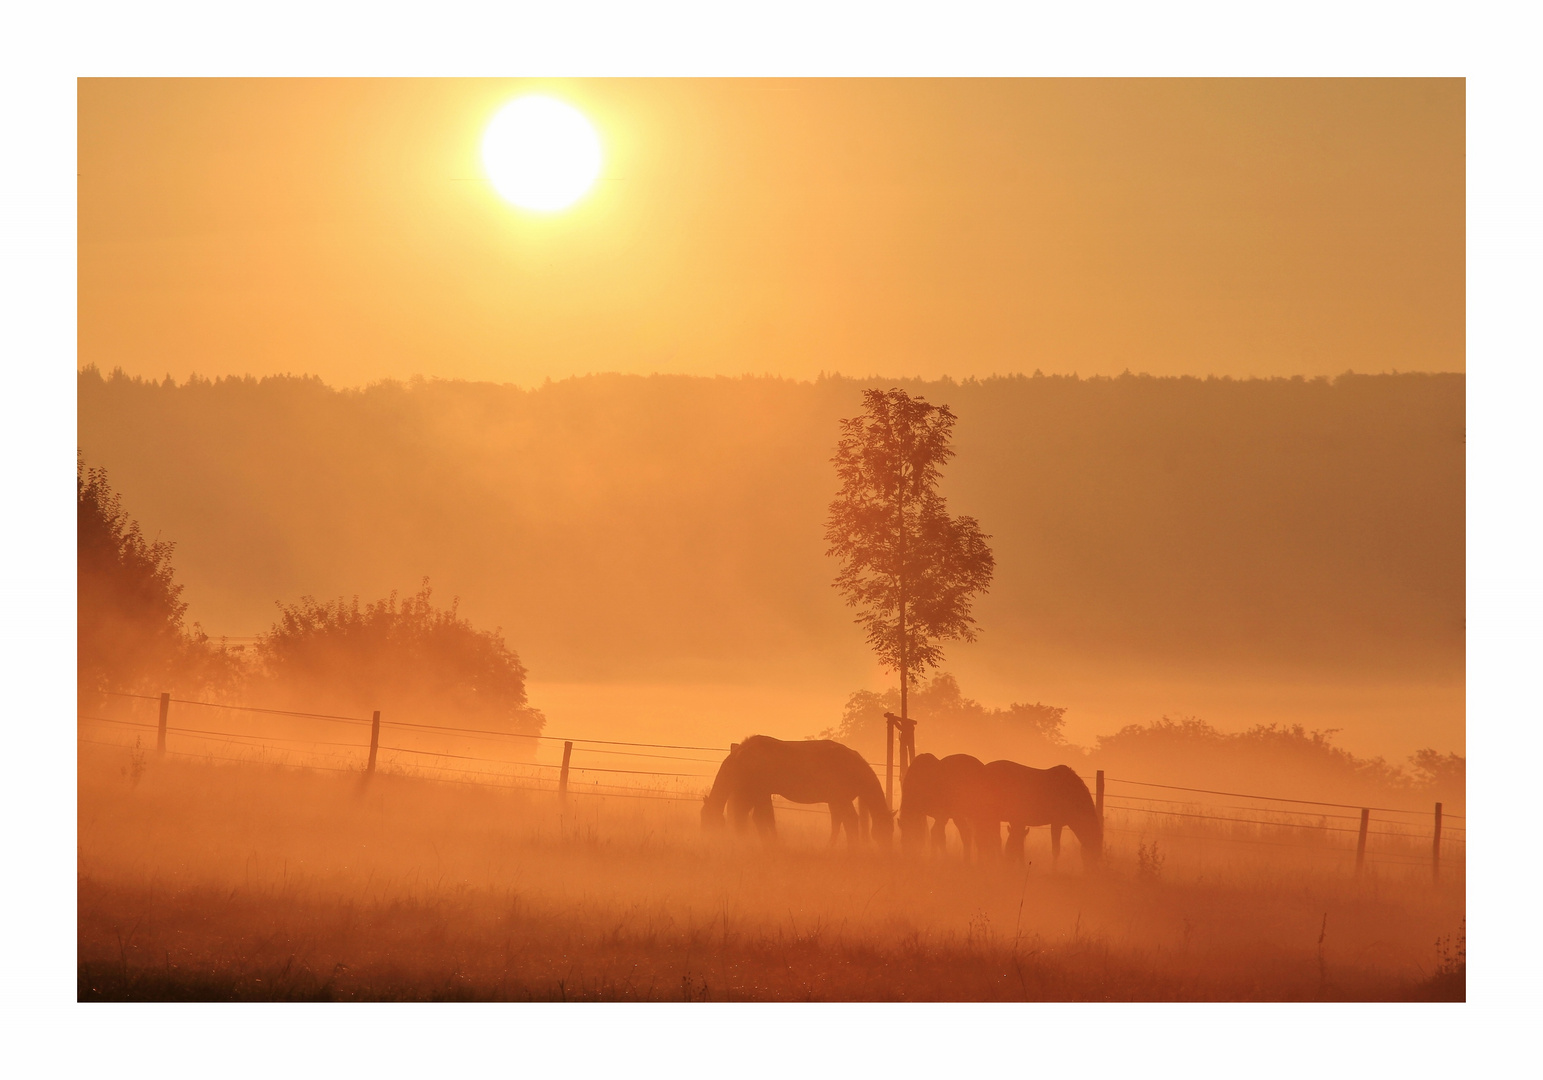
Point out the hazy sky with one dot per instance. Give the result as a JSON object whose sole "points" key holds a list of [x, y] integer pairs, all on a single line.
{"points": [[345, 229]]}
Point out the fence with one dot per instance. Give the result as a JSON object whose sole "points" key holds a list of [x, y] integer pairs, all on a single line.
{"points": [[1392, 838]]}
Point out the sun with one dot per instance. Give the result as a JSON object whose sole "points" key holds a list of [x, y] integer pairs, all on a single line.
{"points": [[541, 153]]}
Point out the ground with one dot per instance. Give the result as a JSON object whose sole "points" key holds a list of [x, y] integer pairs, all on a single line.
{"points": [[220, 881]]}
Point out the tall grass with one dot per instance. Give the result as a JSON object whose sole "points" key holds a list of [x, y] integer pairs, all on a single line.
{"points": [[242, 881]]}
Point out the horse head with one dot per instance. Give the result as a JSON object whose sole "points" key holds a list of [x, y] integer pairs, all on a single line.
{"points": [[884, 827], [916, 798]]}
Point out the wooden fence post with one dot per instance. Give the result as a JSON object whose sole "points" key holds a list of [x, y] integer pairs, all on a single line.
{"points": [[1435, 848], [907, 747], [1360, 843], [1098, 797], [160, 730], [562, 777], [889, 762], [369, 770]]}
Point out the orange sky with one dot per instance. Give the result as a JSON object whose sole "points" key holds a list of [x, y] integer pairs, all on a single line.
{"points": [[344, 229]]}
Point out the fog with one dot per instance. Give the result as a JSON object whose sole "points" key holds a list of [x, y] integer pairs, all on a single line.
{"points": [[205, 879], [468, 657], [1258, 551]]}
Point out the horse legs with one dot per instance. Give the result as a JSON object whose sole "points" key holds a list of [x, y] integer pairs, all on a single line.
{"points": [[967, 836], [1016, 834], [739, 813], [765, 818], [1055, 844], [940, 836], [843, 816]]}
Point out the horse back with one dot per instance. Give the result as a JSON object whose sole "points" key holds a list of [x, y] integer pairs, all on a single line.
{"points": [[1028, 796], [810, 770]]}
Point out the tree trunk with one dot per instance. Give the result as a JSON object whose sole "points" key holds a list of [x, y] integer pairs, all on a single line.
{"points": [[905, 664]]}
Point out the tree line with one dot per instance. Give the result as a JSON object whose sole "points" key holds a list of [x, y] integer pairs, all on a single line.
{"points": [[1288, 759], [1304, 525], [911, 569]]}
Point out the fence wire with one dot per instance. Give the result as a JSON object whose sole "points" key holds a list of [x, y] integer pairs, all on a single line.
{"points": [[1115, 803]]}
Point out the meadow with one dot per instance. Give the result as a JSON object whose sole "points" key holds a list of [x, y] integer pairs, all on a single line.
{"points": [[203, 879]]}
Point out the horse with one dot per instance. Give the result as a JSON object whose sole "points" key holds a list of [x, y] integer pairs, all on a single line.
{"points": [[810, 771], [947, 789], [1057, 797]]}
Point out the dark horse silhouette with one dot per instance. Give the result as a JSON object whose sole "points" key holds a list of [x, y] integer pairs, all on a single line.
{"points": [[947, 789], [1057, 797], [812, 771]]}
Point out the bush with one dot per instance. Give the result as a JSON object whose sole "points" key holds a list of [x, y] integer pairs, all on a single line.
{"points": [[406, 656], [948, 722], [1268, 758]]}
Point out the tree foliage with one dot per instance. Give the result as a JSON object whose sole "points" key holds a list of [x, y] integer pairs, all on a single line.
{"points": [[1445, 774], [129, 611], [1264, 524], [908, 566], [1278, 757], [951, 722], [407, 656]]}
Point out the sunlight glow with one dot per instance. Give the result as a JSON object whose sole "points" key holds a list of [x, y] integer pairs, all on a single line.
{"points": [[541, 154]]}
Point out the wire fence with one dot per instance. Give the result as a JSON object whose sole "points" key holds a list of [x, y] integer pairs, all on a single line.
{"points": [[1269, 821]]}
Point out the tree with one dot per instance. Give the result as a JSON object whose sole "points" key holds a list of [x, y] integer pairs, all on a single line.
{"points": [[1444, 774], [909, 567], [1033, 734], [129, 631], [401, 655]]}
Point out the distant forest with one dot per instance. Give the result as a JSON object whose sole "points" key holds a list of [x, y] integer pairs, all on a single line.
{"points": [[671, 527]]}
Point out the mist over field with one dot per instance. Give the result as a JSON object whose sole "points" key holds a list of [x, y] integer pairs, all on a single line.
{"points": [[698, 671], [499, 784], [1246, 551]]}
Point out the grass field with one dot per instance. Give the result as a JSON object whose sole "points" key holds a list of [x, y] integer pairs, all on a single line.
{"points": [[220, 881]]}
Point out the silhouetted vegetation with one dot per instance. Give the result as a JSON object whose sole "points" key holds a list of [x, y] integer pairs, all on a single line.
{"points": [[908, 566], [130, 633], [1446, 775], [406, 655], [1289, 758], [954, 723], [1234, 525]]}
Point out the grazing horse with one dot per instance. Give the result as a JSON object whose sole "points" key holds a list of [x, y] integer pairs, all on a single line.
{"points": [[1057, 797], [811, 771], [947, 789]]}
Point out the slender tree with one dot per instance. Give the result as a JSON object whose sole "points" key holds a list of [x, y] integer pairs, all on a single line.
{"points": [[909, 567]]}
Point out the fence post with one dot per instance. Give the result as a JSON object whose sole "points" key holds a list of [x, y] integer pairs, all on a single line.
{"points": [[1360, 843], [1435, 848], [889, 762], [369, 770], [160, 730], [1098, 797], [907, 747], [562, 777]]}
